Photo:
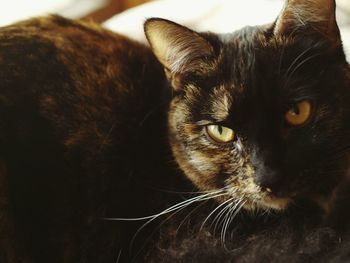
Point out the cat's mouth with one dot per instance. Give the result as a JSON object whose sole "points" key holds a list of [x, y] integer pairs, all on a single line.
{"points": [[268, 202]]}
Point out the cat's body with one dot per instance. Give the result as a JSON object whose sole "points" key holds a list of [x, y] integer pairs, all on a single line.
{"points": [[257, 120], [81, 108]]}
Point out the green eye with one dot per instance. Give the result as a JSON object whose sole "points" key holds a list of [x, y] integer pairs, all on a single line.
{"points": [[220, 133]]}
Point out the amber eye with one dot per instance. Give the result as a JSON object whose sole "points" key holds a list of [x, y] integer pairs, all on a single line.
{"points": [[299, 114], [220, 133]]}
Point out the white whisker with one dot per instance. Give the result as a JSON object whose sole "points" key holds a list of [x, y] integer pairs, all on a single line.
{"points": [[189, 214], [217, 219], [232, 214], [172, 208], [119, 256], [218, 207], [296, 60], [228, 219], [175, 208]]}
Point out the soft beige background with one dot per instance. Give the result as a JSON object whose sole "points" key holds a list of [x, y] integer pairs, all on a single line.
{"points": [[214, 15]]}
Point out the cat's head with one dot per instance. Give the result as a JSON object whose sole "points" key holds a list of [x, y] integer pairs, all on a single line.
{"points": [[262, 113]]}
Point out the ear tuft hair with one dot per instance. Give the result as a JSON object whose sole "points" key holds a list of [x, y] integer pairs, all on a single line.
{"points": [[178, 48], [309, 17]]}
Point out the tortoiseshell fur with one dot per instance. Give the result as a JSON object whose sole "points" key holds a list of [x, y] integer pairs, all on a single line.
{"points": [[247, 81], [94, 141], [80, 110]]}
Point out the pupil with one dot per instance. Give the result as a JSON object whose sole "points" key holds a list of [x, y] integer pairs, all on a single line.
{"points": [[296, 110], [220, 129]]}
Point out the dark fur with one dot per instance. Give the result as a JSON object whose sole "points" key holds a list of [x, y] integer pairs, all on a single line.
{"points": [[247, 81], [81, 109], [83, 137], [251, 79]]}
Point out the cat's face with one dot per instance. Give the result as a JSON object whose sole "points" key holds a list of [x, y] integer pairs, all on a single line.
{"points": [[262, 113]]}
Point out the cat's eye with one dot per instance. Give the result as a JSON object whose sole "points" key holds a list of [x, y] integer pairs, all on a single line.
{"points": [[220, 133], [299, 113]]}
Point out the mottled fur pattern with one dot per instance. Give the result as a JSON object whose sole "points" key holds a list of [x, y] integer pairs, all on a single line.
{"points": [[88, 123], [79, 106], [252, 78]]}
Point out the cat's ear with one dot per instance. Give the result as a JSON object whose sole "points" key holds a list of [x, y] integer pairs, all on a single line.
{"points": [[308, 17], [178, 48]]}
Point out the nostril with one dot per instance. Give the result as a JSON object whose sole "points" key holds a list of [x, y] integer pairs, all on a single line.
{"points": [[267, 179], [267, 189]]}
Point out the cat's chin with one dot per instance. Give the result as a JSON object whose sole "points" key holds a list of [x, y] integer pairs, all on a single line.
{"points": [[268, 202]]}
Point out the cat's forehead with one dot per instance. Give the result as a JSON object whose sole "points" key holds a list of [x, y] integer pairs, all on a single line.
{"points": [[244, 54], [244, 37], [241, 55], [256, 71], [253, 61]]}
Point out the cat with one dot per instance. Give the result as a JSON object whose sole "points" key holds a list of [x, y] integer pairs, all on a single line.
{"points": [[260, 121], [98, 151], [288, 81]]}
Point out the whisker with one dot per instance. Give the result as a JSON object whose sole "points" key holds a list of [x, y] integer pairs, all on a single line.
{"points": [[233, 213], [155, 230], [175, 208], [228, 220], [298, 66], [177, 192], [283, 50], [296, 60], [170, 209], [225, 225], [179, 207], [189, 214], [228, 207], [218, 207], [119, 256], [217, 218]]}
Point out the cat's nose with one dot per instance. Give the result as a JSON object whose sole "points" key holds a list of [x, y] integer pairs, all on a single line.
{"points": [[268, 179], [268, 171]]}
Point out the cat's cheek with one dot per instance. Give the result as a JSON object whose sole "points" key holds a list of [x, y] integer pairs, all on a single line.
{"points": [[200, 167], [189, 165]]}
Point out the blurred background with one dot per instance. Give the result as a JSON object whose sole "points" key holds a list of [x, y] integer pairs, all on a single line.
{"points": [[98, 10], [127, 16]]}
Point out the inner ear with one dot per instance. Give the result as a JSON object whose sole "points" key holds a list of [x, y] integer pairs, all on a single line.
{"points": [[178, 48], [308, 17]]}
